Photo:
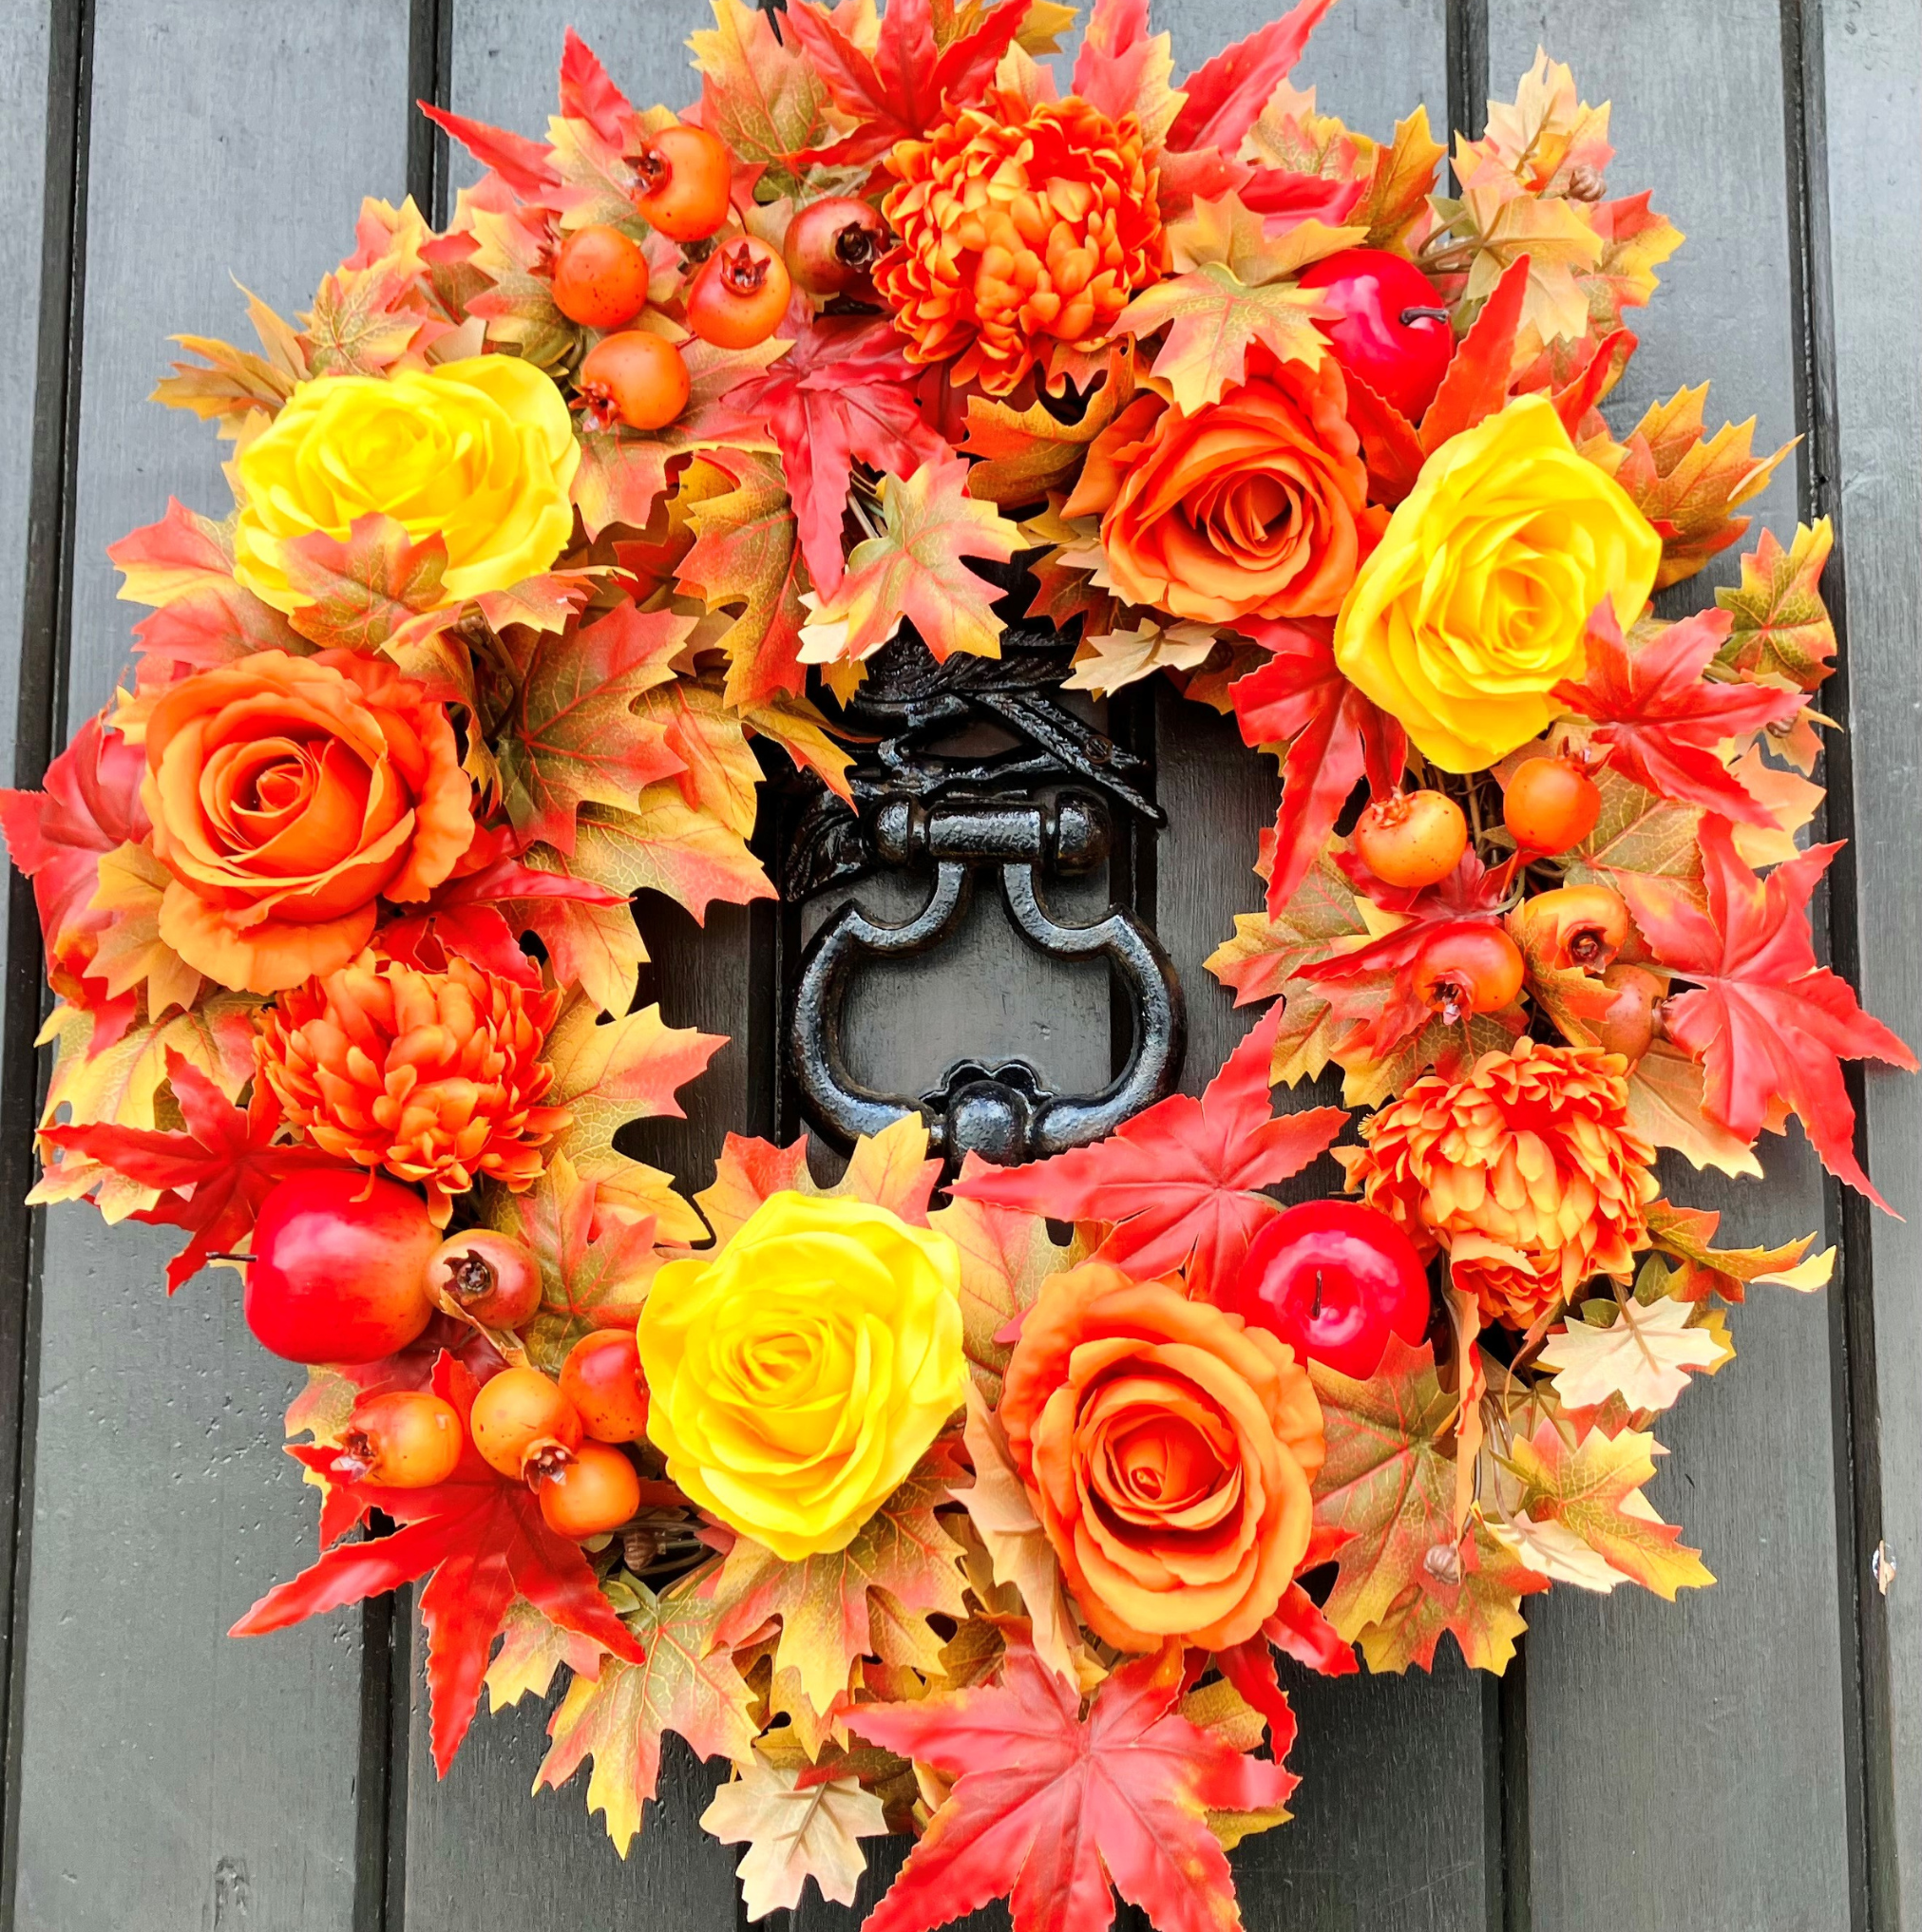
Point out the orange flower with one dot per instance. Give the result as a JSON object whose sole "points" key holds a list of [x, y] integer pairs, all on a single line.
{"points": [[287, 795], [432, 1077], [1169, 1450], [1523, 1170], [1255, 506], [1021, 224]]}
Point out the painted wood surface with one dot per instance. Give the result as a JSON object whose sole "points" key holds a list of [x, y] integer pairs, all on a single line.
{"points": [[1748, 1758]]}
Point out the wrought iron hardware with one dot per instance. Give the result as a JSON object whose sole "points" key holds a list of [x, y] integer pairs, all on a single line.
{"points": [[959, 814]]}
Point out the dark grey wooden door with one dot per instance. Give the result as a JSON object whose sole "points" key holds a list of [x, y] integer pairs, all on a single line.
{"points": [[1748, 1758]]}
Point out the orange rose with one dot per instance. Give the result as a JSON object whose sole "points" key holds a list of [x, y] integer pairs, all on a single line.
{"points": [[1168, 1451], [1255, 506], [287, 795]]}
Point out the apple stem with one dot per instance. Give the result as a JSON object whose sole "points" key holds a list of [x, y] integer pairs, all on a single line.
{"points": [[229, 1257], [1315, 1313], [1410, 316]]}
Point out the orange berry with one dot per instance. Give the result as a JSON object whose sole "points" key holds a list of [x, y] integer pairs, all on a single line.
{"points": [[740, 294], [486, 1277], [1472, 969], [601, 1377], [1633, 1017], [1412, 839], [599, 277], [1576, 926], [589, 1492], [520, 1417], [636, 378], [831, 245], [684, 173], [1549, 805], [405, 1440]]}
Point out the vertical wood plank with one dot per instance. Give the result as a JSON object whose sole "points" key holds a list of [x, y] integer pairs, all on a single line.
{"points": [[1688, 1763], [1862, 73], [169, 1775], [480, 1856], [1393, 1818]]}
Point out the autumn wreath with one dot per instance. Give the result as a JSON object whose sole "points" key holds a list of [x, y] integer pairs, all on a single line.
{"points": [[914, 1513]]}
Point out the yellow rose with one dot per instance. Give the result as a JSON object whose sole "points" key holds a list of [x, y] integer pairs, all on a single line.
{"points": [[479, 453], [1475, 602], [795, 1379]]}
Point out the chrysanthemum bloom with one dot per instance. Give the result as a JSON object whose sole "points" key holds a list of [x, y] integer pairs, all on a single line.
{"points": [[1020, 225], [1523, 1170], [435, 1077]]}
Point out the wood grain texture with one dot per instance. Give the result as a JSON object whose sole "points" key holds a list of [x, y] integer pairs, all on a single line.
{"points": [[1392, 1822], [1863, 71], [479, 1858], [1687, 1761], [159, 1787]]}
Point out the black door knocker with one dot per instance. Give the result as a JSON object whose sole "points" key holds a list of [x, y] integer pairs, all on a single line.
{"points": [[1037, 810]]}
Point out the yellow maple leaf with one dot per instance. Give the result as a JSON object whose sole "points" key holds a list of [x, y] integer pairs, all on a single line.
{"points": [[131, 952], [1645, 1355]]}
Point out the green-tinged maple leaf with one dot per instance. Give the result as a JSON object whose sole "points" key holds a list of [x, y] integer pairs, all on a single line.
{"points": [[234, 385], [1213, 319], [1006, 1253], [1636, 831], [358, 324], [1687, 1234], [688, 1685], [1782, 629], [610, 1071], [763, 96], [800, 731], [1666, 1094], [747, 553], [1387, 1488], [1026, 453], [595, 1266], [572, 736], [1689, 484], [793, 1832], [360, 592], [912, 572], [719, 775], [1555, 236], [123, 1083], [1645, 1355], [598, 948], [823, 1602], [1403, 179], [130, 952], [1473, 1596], [1635, 241], [1593, 1490], [1226, 234], [1368, 1083], [664, 846], [532, 1649]]}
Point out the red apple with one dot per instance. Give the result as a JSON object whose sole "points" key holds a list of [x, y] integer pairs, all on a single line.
{"points": [[338, 1268], [1390, 328], [1334, 1279]]}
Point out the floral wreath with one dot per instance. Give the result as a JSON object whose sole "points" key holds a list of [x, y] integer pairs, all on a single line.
{"points": [[911, 1510]]}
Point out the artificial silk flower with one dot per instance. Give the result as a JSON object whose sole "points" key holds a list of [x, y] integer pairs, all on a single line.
{"points": [[479, 453], [1475, 602], [797, 1377]]}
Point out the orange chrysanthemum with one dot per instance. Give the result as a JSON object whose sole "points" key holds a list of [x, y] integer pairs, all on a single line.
{"points": [[1021, 224], [433, 1076], [1524, 1169]]}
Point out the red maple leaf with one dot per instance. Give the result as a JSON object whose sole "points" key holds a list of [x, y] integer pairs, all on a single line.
{"points": [[58, 837], [906, 86], [1180, 1181], [1333, 734], [1659, 720], [215, 1175], [1768, 1024], [1226, 94], [844, 392], [1050, 1809], [486, 1543]]}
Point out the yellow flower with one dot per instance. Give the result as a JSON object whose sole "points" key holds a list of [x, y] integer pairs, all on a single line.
{"points": [[1475, 602], [795, 1379], [479, 453]]}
